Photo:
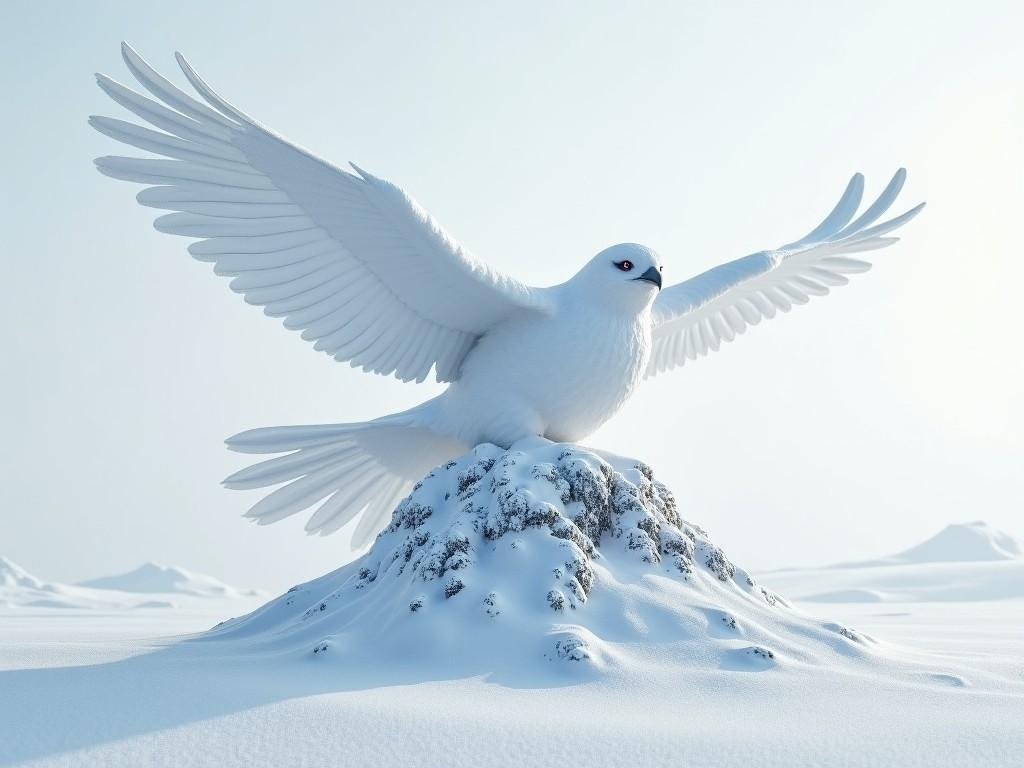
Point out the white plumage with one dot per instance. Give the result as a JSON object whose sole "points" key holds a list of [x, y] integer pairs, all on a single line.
{"points": [[370, 278]]}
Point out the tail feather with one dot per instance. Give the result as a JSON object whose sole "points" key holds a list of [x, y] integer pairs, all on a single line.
{"points": [[334, 513], [350, 470], [280, 439], [376, 515], [349, 499], [303, 493], [290, 466], [372, 509]]}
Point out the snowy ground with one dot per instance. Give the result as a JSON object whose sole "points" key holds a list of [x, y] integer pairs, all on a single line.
{"points": [[920, 663], [106, 690]]}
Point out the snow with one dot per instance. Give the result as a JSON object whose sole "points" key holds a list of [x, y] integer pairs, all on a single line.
{"points": [[13, 575], [665, 653], [968, 541], [149, 586], [963, 562], [960, 542], [512, 562], [150, 577]]}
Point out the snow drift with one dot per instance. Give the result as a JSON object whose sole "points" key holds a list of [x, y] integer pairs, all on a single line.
{"points": [[162, 579], [550, 555], [19, 588], [964, 562], [13, 575], [960, 542], [162, 587]]}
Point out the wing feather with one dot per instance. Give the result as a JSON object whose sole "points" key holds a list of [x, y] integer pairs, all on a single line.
{"points": [[265, 278], [695, 316], [168, 197], [166, 119], [348, 259], [224, 155]]}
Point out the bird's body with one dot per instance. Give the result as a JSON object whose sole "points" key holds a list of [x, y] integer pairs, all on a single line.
{"points": [[559, 375], [371, 278]]}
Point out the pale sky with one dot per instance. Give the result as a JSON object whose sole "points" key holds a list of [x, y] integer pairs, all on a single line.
{"points": [[538, 134]]}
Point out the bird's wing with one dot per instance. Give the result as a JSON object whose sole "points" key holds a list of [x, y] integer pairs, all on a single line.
{"points": [[694, 317], [350, 260]]}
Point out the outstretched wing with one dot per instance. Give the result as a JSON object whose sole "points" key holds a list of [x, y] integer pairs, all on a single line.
{"points": [[693, 318], [348, 259]]}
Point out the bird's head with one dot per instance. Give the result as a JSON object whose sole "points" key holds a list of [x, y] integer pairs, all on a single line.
{"points": [[626, 276]]}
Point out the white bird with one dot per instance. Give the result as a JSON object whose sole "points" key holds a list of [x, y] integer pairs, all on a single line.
{"points": [[369, 277]]}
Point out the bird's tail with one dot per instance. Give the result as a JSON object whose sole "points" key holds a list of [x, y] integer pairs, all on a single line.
{"points": [[346, 469]]}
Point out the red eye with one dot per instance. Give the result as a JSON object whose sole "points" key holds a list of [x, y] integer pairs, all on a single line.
{"points": [[625, 266]]}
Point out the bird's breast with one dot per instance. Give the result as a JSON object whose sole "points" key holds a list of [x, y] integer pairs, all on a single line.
{"points": [[602, 365], [562, 376]]}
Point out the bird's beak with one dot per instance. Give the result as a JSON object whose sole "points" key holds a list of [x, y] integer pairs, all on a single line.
{"points": [[652, 275]]}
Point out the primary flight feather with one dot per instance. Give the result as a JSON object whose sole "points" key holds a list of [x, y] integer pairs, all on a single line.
{"points": [[369, 277]]}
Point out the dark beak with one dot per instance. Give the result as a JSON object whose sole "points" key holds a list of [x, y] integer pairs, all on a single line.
{"points": [[652, 275]]}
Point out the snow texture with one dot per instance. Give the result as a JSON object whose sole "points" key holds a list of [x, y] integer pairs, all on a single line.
{"points": [[503, 560], [960, 542], [13, 575], [150, 577], [541, 607], [148, 586], [963, 562]]}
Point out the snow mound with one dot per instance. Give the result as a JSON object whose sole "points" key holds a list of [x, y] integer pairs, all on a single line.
{"points": [[910, 583], [971, 542], [976, 542], [19, 589], [967, 562], [552, 556], [13, 575], [152, 578]]}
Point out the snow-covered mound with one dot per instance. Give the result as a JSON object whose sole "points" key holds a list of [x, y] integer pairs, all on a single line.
{"points": [[963, 562], [912, 583], [13, 575], [548, 555], [152, 578], [171, 586], [962, 542], [20, 589]]}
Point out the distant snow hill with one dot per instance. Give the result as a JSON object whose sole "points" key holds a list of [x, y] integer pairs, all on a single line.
{"points": [[962, 562], [160, 585], [959, 542], [20, 589], [152, 578], [13, 575]]}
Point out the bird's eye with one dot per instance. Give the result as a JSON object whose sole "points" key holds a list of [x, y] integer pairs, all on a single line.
{"points": [[625, 266]]}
